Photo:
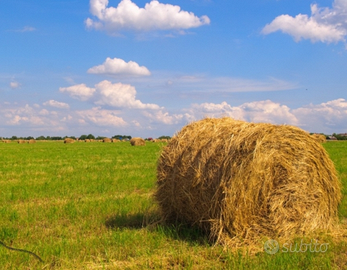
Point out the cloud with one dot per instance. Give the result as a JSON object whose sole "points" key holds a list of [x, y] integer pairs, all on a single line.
{"points": [[111, 94], [120, 95], [79, 91], [205, 84], [26, 29], [325, 24], [14, 85], [159, 116], [118, 66], [21, 116], [56, 104], [328, 116], [154, 16], [257, 111], [101, 117]]}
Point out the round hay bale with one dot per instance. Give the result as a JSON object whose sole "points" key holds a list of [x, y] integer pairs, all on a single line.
{"points": [[115, 140], [87, 140], [69, 140], [21, 141], [319, 138], [106, 140], [240, 181], [137, 141], [32, 141]]}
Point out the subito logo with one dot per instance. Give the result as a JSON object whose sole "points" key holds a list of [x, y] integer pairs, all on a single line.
{"points": [[271, 246]]}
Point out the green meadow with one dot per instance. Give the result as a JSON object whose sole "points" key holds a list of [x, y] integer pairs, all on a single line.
{"points": [[90, 206]]}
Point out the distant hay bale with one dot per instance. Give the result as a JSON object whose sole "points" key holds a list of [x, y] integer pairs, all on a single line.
{"points": [[137, 141], [319, 138], [240, 182], [21, 141], [106, 140], [69, 140], [115, 140], [6, 141], [32, 141], [87, 140]]}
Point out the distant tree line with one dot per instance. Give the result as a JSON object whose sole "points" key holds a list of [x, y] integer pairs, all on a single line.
{"points": [[340, 136], [82, 137], [122, 137], [334, 135]]}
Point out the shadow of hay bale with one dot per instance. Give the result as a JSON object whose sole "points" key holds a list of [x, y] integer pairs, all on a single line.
{"points": [[184, 232], [135, 221], [151, 222]]}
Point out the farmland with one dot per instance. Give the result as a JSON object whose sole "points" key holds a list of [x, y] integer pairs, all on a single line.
{"points": [[90, 206]]}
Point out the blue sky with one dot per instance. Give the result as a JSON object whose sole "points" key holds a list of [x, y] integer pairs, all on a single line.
{"points": [[147, 68]]}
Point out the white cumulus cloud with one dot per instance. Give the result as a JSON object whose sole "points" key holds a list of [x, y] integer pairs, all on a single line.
{"points": [[325, 24], [327, 116], [14, 85], [79, 91], [118, 66], [257, 111], [120, 95], [56, 104], [101, 117], [159, 116], [154, 16], [110, 94]]}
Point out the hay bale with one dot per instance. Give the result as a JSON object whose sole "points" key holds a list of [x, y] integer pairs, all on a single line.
{"points": [[242, 181], [106, 140], [69, 140], [21, 141], [137, 141], [115, 140], [32, 141], [6, 141], [87, 140], [319, 137]]}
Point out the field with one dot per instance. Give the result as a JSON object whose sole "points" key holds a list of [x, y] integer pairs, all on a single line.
{"points": [[90, 206]]}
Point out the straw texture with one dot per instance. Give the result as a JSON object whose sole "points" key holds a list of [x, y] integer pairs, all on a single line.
{"points": [[241, 181]]}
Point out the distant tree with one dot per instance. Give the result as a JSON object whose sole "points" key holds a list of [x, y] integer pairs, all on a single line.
{"points": [[91, 137], [100, 138], [164, 137], [83, 137], [14, 138], [340, 137], [122, 137], [56, 138], [28, 138], [41, 138]]}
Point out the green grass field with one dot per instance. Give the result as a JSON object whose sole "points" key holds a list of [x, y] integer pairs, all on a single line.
{"points": [[87, 206]]}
